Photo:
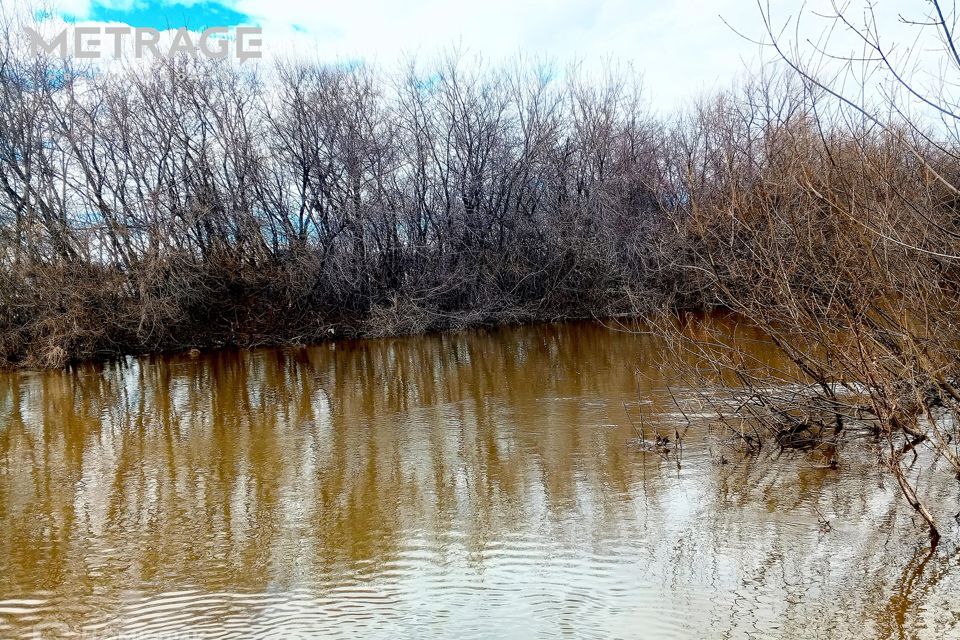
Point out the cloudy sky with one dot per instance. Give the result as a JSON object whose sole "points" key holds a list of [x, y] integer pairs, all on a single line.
{"points": [[683, 48]]}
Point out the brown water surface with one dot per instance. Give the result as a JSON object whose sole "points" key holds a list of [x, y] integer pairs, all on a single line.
{"points": [[479, 484]]}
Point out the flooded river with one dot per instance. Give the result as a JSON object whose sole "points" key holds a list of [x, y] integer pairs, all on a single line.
{"points": [[477, 484]]}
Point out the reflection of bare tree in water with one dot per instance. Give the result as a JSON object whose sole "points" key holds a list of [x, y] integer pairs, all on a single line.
{"points": [[917, 579], [484, 461]]}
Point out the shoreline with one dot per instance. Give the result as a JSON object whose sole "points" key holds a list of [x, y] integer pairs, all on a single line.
{"points": [[332, 333]]}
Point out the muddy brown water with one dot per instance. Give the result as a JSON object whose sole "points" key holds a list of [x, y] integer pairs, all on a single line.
{"points": [[480, 484]]}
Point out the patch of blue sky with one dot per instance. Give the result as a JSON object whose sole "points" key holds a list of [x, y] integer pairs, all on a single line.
{"points": [[54, 78], [429, 83], [546, 73], [349, 65], [163, 14]]}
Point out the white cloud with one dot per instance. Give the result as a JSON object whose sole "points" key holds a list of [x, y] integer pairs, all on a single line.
{"points": [[682, 48]]}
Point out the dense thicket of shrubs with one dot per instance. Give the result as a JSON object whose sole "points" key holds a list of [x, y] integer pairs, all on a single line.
{"points": [[843, 247], [194, 203], [827, 214]]}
